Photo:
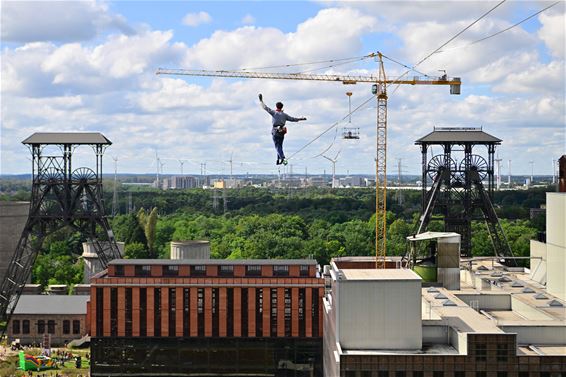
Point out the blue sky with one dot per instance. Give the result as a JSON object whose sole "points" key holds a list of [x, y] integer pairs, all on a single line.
{"points": [[89, 66]]}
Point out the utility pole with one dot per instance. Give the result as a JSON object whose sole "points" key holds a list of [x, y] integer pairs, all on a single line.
{"points": [[115, 194], [509, 173], [203, 172], [161, 164], [231, 161], [399, 174], [157, 163], [532, 163]]}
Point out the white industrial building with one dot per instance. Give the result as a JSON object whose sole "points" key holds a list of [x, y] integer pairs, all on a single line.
{"points": [[497, 321], [549, 267]]}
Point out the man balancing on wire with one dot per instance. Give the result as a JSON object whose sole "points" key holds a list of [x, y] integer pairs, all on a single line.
{"points": [[279, 130]]}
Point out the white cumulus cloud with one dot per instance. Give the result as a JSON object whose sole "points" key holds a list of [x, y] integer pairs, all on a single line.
{"points": [[553, 32], [57, 21], [196, 19]]}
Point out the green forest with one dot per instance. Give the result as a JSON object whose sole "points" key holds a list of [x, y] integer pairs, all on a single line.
{"points": [[264, 223]]}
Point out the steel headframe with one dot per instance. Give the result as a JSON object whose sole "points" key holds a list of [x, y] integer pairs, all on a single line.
{"points": [[61, 196]]}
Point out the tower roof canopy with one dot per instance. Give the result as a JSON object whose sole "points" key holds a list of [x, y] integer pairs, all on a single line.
{"points": [[458, 135], [67, 138]]}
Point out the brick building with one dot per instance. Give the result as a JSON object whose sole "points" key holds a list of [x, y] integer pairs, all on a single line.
{"points": [[63, 317], [261, 317]]}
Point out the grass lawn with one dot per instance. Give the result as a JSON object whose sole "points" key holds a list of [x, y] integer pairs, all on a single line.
{"points": [[9, 366]]}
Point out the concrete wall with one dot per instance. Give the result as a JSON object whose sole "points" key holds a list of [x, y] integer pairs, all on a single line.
{"points": [[329, 346], [190, 250], [92, 264], [449, 277], [13, 218], [459, 341], [438, 334], [528, 312], [488, 301], [58, 338], [382, 314], [538, 266], [556, 243], [548, 335]]}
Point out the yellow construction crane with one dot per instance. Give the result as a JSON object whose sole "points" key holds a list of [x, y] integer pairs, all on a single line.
{"points": [[379, 89]]}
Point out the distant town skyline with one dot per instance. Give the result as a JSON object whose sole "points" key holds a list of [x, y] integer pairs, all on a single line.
{"points": [[90, 67]]}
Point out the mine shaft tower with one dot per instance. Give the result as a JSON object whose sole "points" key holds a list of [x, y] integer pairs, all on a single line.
{"points": [[458, 184], [61, 196]]}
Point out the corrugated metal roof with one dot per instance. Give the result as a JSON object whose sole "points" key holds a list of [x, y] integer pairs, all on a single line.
{"points": [[51, 304], [458, 136], [67, 138], [210, 262]]}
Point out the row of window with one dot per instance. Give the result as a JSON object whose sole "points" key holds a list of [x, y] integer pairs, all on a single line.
{"points": [[23, 327], [246, 299], [223, 270], [435, 373], [501, 354]]}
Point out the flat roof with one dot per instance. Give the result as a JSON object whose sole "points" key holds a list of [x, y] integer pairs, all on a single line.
{"points": [[200, 262], [541, 349], [52, 304], [378, 274], [457, 136], [459, 315], [431, 236], [427, 349], [67, 138]]}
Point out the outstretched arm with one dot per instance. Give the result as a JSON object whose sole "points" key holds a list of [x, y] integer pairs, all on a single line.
{"points": [[270, 111], [293, 119]]}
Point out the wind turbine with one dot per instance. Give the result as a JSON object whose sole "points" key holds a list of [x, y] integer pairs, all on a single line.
{"points": [[334, 160]]}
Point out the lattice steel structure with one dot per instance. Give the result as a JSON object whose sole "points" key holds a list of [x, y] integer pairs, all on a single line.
{"points": [[458, 185], [61, 196]]}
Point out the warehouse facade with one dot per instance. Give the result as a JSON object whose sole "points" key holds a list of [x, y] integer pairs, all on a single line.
{"points": [[207, 316]]}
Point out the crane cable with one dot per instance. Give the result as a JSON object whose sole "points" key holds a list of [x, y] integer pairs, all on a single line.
{"points": [[354, 58], [446, 43], [459, 33], [330, 128], [501, 31]]}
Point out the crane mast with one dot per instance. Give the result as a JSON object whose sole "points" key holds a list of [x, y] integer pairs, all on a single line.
{"points": [[379, 89], [381, 168]]}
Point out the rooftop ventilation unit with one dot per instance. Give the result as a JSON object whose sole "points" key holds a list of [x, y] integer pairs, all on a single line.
{"points": [[432, 290], [516, 284], [448, 303], [555, 303], [528, 290], [440, 296], [540, 296]]}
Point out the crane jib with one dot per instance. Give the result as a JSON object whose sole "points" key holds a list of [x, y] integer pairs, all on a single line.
{"points": [[345, 79]]}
